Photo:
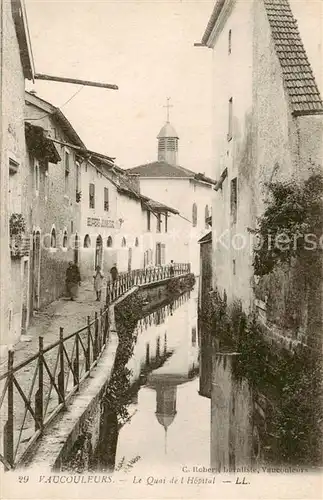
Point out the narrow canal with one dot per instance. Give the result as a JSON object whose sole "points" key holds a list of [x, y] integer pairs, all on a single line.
{"points": [[169, 421]]}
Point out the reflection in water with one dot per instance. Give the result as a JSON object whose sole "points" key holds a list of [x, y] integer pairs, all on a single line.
{"points": [[170, 422]]}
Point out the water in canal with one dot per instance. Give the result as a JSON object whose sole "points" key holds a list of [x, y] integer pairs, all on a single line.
{"points": [[169, 421]]}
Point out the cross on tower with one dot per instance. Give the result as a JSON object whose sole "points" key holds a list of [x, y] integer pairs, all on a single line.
{"points": [[168, 106]]}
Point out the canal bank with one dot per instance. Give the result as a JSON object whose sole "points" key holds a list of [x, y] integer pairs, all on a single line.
{"points": [[77, 428]]}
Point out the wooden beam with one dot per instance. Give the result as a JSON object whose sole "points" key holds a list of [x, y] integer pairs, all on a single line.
{"points": [[39, 76], [84, 150]]}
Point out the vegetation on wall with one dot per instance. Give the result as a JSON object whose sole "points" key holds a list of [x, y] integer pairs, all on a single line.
{"points": [[291, 225], [118, 395], [176, 285], [291, 380], [17, 224]]}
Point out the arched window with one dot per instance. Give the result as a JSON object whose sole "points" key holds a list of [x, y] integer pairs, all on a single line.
{"points": [[194, 215], [65, 239], [207, 215], [53, 238], [124, 242], [87, 241], [136, 242], [109, 242]]}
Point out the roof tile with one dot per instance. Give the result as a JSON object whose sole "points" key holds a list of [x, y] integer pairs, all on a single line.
{"points": [[297, 73], [161, 169]]}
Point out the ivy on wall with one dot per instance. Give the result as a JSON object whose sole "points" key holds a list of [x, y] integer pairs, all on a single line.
{"points": [[176, 286], [118, 395], [291, 225]]}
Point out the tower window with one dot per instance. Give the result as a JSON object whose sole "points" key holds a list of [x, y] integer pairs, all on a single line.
{"points": [[230, 42], [162, 144], [233, 200]]}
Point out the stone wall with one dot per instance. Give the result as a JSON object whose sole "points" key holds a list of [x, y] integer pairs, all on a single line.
{"points": [[12, 146]]}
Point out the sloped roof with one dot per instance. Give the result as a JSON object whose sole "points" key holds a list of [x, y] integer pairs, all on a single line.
{"points": [[213, 19], [22, 31], [207, 238], [57, 114], [298, 77], [156, 206], [161, 169]]}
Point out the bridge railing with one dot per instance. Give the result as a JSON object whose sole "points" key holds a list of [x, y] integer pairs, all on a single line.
{"points": [[34, 391], [125, 281]]}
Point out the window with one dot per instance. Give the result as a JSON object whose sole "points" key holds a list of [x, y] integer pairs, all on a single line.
{"points": [[233, 200], [136, 242], [87, 241], [148, 221], [106, 199], [166, 223], [194, 336], [72, 227], [229, 42], [53, 238], [230, 117], [194, 215], [158, 223], [36, 175], [14, 198], [109, 242], [67, 171], [77, 183], [207, 215], [124, 242], [234, 267], [65, 239], [91, 195], [160, 254]]}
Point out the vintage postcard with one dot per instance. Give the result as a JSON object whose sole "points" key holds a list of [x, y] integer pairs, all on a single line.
{"points": [[161, 249]]}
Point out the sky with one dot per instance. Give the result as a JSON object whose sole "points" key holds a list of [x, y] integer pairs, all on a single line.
{"points": [[146, 47]]}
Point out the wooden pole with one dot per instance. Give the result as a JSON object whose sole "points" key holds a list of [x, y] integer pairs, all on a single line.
{"points": [[39, 397], [88, 83]]}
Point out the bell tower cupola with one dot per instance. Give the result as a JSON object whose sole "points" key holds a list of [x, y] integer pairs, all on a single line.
{"points": [[168, 141]]}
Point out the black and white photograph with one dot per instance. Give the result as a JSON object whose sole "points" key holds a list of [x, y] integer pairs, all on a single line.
{"points": [[161, 263]]}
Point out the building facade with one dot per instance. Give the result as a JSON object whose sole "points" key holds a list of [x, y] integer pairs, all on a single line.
{"points": [[268, 128], [16, 66], [177, 186], [52, 203], [118, 224]]}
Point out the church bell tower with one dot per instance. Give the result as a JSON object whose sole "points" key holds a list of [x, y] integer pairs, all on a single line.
{"points": [[168, 141]]}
